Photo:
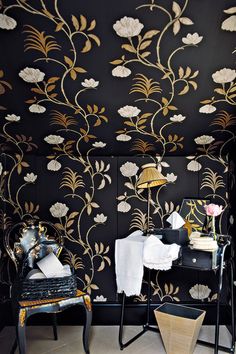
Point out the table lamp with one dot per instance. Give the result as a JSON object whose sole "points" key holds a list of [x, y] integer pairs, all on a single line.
{"points": [[150, 177]]}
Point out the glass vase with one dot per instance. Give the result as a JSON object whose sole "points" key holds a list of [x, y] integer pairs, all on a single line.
{"points": [[213, 229]]}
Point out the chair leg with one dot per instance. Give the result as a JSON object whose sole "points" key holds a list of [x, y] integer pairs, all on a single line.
{"points": [[88, 321], [13, 349], [87, 330], [54, 325], [20, 331]]}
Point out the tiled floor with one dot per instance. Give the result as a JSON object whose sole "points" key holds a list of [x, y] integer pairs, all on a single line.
{"points": [[103, 340]]}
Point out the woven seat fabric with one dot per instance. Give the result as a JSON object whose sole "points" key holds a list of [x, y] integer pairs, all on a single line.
{"points": [[29, 303]]}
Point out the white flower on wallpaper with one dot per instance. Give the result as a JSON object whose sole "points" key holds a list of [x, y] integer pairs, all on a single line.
{"points": [[200, 292], [100, 298], [123, 207], [37, 108], [100, 218], [1, 168], [58, 210], [192, 39], [121, 71], [177, 118], [123, 137], [204, 140], [31, 75], [12, 118], [224, 75], [129, 111], [99, 144], [161, 163], [194, 166], [7, 22], [207, 108], [128, 27], [171, 177], [230, 23], [30, 177], [129, 169], [90, 83], [54, 139], [231, 219], [53, 165]]}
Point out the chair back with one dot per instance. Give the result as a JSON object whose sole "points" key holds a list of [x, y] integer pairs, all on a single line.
{"points": [[29, 241]]}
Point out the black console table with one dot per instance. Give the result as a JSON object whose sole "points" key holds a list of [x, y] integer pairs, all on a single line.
{"points": [[224, 242]]}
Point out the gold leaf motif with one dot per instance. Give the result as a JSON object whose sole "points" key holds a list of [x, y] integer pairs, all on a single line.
{"points": [[186, 21], [38, 41], [145, 44], [52, 80], [78, 69], [83, 22], [176, 27], [92, 25], [59, 26], [184, 91], [129, 48], [47, 13], [95, 38], [176, 8], [87, 46], [68, 61], [73, 74], [150, 34], [75, 22], [116, 62]]}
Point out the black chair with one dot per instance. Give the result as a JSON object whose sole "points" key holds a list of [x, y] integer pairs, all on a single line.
{"points": [[26, 243]]}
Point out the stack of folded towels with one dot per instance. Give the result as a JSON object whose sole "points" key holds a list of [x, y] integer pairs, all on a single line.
{"points": [[202, 243]]}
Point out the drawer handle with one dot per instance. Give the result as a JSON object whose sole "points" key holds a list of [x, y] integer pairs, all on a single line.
{"points": [[194, 260]]}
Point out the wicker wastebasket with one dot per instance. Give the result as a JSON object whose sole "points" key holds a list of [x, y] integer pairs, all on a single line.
{"points": [[179, 327]]}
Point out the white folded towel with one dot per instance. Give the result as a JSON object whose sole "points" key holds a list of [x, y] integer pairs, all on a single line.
{"points": [[129, 263], [158, 256]]}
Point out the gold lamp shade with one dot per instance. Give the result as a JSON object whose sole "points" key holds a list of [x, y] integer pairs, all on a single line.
{"points": [[150, 177]]}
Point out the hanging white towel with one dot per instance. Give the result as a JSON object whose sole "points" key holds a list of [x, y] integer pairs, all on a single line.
{"points": [[158, 256], [129, 263]]}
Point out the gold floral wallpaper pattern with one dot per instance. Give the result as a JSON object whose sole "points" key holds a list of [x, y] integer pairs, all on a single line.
{"points": [[94, 93]]}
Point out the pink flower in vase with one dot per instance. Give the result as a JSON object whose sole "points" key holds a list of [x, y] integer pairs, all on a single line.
{"points": [[213, 210]]}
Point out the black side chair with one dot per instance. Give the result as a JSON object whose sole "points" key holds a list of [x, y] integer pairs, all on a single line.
{"points": [[20, 241]]}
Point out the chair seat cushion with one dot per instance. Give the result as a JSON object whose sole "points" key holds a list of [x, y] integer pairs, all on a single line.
{"points": [[29, 303]]}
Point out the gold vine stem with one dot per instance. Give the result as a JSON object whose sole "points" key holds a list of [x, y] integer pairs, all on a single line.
{"points": [[166, 28], [17, 197], [51, 59], [157, 7], [15, 163], [226, 142], [160, 210], [147, 63], [209, 155]]}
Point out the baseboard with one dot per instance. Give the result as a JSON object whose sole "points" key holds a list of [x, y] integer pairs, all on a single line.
{"points": [[109, 314]]}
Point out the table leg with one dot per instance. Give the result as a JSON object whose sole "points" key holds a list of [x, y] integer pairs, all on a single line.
{"points": [[232, 304], [220, 281]]}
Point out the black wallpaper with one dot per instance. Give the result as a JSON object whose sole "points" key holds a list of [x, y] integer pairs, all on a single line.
{"points": [[64, 141]]}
